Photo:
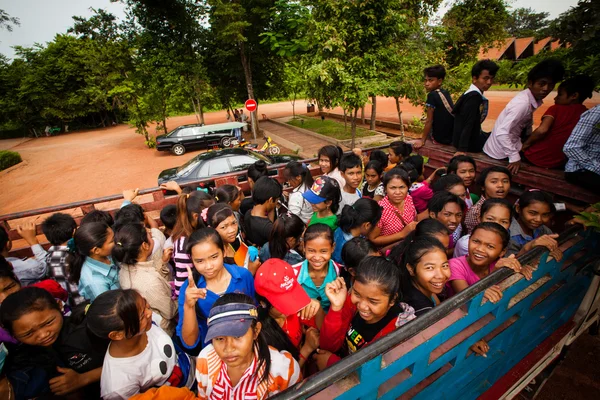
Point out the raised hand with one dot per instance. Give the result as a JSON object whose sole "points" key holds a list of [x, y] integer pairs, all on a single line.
{"points": [[336, 293], [192, 292], [27, 232], [130, 194], [172, 186], [310, 310]]}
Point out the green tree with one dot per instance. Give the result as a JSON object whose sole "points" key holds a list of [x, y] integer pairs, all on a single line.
{"points": [[7, 22], [524, 22], [472, 24]]}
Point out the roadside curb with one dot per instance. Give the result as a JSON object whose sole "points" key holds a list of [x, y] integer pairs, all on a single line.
{"points": [[23, 163]]}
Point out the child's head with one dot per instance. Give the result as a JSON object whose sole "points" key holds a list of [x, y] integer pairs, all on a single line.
{"points": [[329, 158], [235, 332], [256, 171], [355, 250], [220, 216], [416, 162], [285, 235], [95, 240], [296, 174], [396, 183], [574, 90], [324, 194], [206, 249], [434, 77], [487, 244], [119, 315], [483, 73], [318, 246], [363, 215], [275, 281], [543, 76], [351, 170], [373, 172], [376, 288], [447, 208], [535, 208], [464, 167], [133, 244], [495, 182], [5, 242], [9, 283], [266, 191], [398, 151], [168, 216], [425, 228], [229, 194], [379, 155], [189, 212], [499, 211], [32, 316], [131, 213], [97, 216], [450, 183], [59, 228], [425, 266]]}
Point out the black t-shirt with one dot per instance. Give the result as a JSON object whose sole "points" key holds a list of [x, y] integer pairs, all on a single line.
{"points": [[78, 348], [246, 205], [443, 120], [417, 300], [360, 333], [258, 229]]}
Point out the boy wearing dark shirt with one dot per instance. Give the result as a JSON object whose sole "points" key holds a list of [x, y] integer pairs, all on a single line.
{"points": [[471, 109], [257, 224], [544, 147], [440, 121]]}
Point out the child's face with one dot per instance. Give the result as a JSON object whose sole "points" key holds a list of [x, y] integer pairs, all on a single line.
{"points": [[466, 172], [353, 176], [237, 352], [451, 216], [207, 258], [393, 157], [484, 81], [459, 190], [485, 247], [235, 205], [563, 99], [38, 328], [318, 253], [320, 207], [371, 302], [325, 164], [499, 215], [7, 287], [541, 88], [535, 214], [432, 83], [372, 177], [228, 229], [497, 185], [145, 313], [293, 181], [108, 245], [432, 272], [396, 190]]}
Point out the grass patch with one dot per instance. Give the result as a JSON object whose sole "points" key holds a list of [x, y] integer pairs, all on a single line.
{"points": [[8, 159], [329, 128]]}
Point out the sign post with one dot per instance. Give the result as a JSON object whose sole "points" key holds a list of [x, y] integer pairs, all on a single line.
{"points": [[251, 106]]}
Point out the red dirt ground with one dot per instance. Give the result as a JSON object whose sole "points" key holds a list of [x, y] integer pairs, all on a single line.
{"points": [[102, 162]]}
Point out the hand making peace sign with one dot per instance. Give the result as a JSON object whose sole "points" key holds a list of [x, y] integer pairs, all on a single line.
{"points": [[192, 292]]}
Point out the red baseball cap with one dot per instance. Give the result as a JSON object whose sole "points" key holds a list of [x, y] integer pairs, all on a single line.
{"points": [[275, 280]]}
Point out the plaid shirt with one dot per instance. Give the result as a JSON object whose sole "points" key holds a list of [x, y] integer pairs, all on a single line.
{"points": [[473, 214], [583, 146], [58, 264]]}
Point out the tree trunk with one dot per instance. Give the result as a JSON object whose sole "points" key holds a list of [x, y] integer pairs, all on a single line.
{"points": [[400, 117], [373, 112], [354, 128], [345, 120], [195, 112], [201, 111], [248, 76], [294, 105], [362, 114], [319, 106]]}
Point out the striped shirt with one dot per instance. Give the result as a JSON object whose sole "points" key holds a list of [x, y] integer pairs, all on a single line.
{"points": [[182, 260], [214, 382]]}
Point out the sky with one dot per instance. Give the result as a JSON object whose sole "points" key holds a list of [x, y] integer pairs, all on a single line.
{"points": [[41, 20]]}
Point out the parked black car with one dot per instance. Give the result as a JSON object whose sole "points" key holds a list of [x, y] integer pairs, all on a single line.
{"points": [[219, 162], [196, 136]]}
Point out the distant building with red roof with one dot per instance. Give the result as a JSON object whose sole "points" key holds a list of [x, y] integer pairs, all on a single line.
{"points": [[516, 49]]}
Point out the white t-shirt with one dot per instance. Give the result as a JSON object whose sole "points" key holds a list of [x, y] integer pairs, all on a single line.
{"points": [[348, 198], [298, 205], [156, 365]]}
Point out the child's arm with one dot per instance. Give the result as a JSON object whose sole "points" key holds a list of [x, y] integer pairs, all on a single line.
{"points": [[338, 318], [128, 196], [417, 144], [70, 381], [190, 330], [458, 285], [381, 241], [540, 132], [28, 233]]}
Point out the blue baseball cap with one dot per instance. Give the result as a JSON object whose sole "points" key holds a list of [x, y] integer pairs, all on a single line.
{"points": [[232, 319], [322, 185]]}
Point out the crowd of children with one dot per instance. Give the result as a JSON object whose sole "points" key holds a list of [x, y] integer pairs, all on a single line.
{"points": [[243, 297]]}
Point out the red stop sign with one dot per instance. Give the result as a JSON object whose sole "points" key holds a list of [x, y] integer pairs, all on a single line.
{"points": [[250, 105]]}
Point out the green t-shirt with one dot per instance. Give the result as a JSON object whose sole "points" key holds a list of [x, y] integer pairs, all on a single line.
{"points": [[474, 198], [331, 221]]}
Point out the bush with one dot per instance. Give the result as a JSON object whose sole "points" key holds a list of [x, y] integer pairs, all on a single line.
{"points": [[8, 159]]}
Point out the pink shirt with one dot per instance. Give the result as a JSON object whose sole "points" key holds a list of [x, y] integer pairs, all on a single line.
{"points": [[421, 193], [517, 116], [461, 271]]}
